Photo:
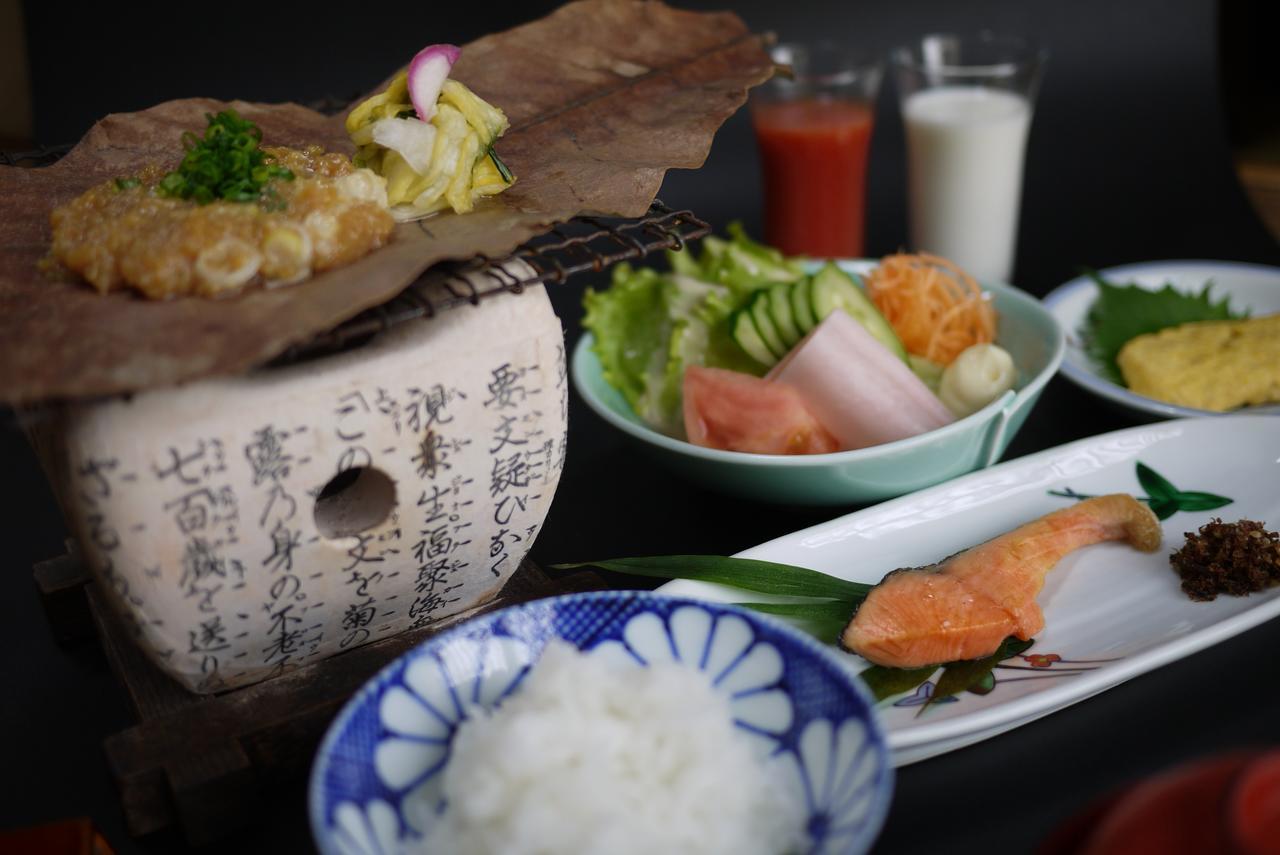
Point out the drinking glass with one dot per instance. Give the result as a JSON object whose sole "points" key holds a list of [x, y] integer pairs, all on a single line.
{"points": [[813, 129], [967, 103]]}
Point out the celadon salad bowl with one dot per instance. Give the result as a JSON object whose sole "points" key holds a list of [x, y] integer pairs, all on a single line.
{"points": [[1025, 328]]}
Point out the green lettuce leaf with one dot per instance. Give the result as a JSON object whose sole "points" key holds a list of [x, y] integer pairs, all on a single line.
{"points": [[650, 326], [1124, 312], [631, 327], [687, 345], [685, 262], [721, 351], [740, 263], [746, 266]]}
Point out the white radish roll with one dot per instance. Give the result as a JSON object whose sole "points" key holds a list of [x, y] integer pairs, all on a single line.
{"points": [[860, 392], [975, 378]]}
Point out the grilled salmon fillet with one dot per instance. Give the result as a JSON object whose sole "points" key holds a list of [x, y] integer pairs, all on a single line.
{"points": [[966, 605]]}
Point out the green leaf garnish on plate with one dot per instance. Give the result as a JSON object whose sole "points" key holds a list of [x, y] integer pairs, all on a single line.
{"points": [[827, 606], [959, 677], [887, 682], [749, 574], [1162, 497], [1197, 501], [824, 620], [1158, 487], [956, 677], [1166, 499], [1124, 312]]}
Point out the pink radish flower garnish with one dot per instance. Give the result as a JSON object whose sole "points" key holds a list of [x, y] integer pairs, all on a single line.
{"points": [[427, 73]]}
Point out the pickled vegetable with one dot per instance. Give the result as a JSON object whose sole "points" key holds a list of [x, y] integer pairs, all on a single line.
{"points": [[432, 139]]}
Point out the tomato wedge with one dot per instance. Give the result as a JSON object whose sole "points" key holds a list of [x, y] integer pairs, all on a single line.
{"points": [[733, 411]]}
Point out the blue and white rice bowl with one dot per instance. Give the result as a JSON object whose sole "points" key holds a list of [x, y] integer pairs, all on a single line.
{"points": [[376, 784]]}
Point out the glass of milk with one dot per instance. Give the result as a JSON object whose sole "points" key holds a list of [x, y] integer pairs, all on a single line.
{"points": [[967, 103]]}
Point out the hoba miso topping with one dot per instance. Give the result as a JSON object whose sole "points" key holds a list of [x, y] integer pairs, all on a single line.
{"points": [[232, 215]]}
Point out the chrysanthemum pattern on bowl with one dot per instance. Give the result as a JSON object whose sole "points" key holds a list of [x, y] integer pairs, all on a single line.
{"points": [[421, 715], [836, 767], [376, 786], [372, 831], [725, 648]]}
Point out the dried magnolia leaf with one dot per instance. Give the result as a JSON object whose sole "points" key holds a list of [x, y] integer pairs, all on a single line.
{"points": [[637, 88], [603, 96]]}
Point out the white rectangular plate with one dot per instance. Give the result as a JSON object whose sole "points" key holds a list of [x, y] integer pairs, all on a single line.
{"points": [[1111, 613]]}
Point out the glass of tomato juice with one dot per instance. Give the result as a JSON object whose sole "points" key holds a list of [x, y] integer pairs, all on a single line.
{"points": [[813, 129]]}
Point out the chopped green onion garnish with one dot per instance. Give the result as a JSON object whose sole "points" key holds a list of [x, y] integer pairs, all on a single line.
{"points": [[126, 183], [225, 164]]}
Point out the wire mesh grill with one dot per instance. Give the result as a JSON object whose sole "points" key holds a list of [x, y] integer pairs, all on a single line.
{"points": [[38, 156], [580, 245]]}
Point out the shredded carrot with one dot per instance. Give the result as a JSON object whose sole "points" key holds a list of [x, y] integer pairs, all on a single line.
{"points": [[935, 307]]}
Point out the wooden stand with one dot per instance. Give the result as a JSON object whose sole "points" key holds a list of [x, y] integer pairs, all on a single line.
{"points": [[203, 762]]}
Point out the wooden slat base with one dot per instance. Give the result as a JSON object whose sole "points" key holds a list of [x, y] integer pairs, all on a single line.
{"points": [[204, 762]]}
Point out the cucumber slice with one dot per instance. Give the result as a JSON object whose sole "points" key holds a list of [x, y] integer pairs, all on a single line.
{"points": [[748, 338], [834, 289], [780, 311], [802, 305], [759, 308]]}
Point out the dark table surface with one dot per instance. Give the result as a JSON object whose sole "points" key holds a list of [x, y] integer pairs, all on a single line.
{"points": [[1128, 161]]}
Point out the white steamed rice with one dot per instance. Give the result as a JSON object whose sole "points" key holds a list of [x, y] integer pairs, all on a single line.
{"points": [[591, 758]]}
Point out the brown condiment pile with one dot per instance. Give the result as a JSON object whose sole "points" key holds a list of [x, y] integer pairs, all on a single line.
{"points": [[1228, 558]]}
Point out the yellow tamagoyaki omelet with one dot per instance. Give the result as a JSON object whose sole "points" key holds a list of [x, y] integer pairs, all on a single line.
{"points": [[1210, 365]]}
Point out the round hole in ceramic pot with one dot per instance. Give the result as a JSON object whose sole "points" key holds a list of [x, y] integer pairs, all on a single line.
{"points": [[353, 501]]}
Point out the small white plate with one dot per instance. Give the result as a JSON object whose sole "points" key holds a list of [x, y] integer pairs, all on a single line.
{"points": [[1111, 613], [1254, 287]]}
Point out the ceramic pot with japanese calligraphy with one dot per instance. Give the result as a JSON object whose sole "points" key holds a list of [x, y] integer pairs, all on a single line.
{"points": [[247, 526]]}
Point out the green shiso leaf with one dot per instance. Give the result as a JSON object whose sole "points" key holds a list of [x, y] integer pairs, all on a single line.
{"points": [[1123, 312], [748, 574]]}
